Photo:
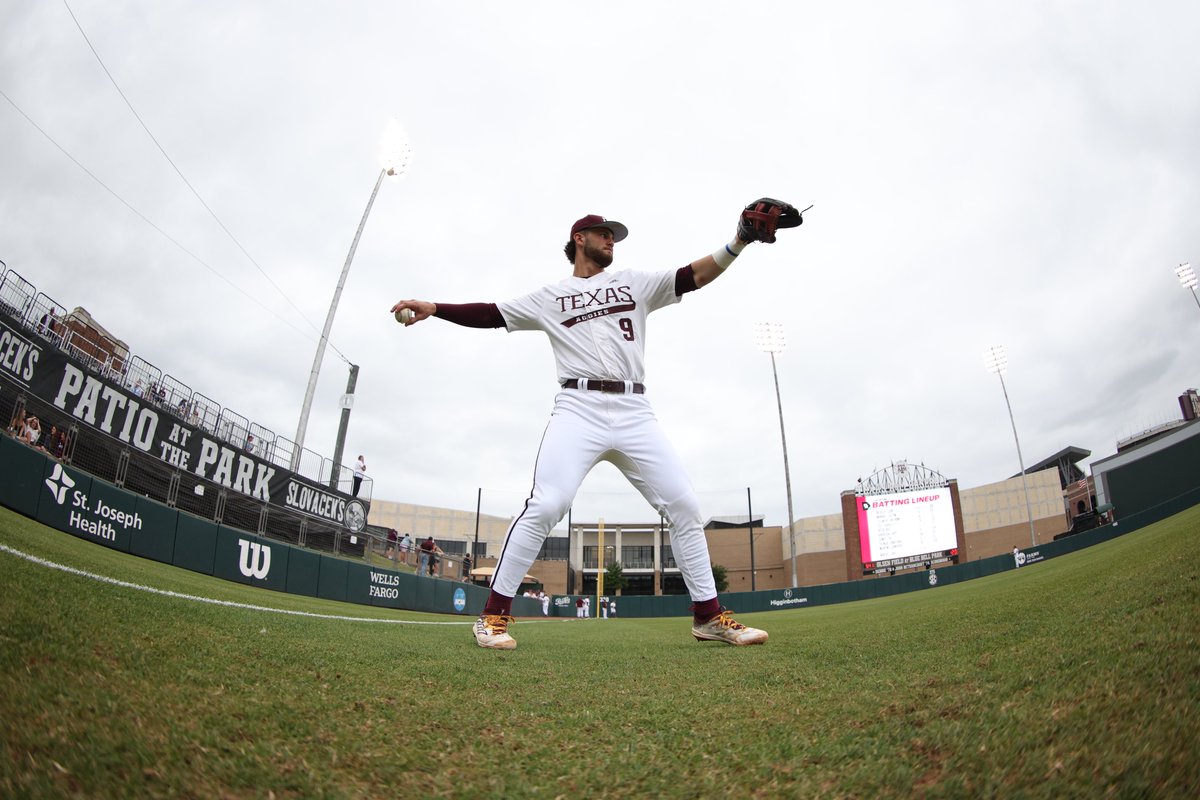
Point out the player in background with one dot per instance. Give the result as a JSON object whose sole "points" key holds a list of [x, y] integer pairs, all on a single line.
{"points": [[596, 322]]}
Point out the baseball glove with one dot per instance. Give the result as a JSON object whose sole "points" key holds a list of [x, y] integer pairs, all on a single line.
{"points": [[760, 219]]}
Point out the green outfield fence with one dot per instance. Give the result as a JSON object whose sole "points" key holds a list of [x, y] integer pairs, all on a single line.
{"points": [[70, 500]]}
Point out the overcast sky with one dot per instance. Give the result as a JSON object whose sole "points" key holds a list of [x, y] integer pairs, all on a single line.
{"points": [[1022, 174]]}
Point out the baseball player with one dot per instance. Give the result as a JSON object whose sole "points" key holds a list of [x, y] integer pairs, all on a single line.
{"points": [[596, 322]]}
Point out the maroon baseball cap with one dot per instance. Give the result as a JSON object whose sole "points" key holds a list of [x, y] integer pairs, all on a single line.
{"points": [[618, 230]]}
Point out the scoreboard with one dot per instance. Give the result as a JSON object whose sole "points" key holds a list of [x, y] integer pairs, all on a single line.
{"points": [[902, 529]]}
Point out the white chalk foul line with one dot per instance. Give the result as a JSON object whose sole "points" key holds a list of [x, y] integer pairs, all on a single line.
{"points": [[210, 600]]}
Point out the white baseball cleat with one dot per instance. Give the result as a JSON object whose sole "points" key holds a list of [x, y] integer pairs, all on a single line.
{"points": [[724, 628], [491, 630]]}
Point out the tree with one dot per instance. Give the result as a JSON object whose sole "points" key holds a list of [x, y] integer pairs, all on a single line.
{"points": [[721, 576], [614, 578]]}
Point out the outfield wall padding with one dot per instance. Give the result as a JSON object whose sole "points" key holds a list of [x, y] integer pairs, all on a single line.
{"points": [[331, 582], [304, 572], [195, 544], [76, 503], [156, 538], [21, 473]]}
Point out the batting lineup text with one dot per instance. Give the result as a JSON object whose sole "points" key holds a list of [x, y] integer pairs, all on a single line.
{"points": [[904, 501]]}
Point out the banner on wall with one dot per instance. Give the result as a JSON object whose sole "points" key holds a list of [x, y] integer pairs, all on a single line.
{"points": [[105, 406]]}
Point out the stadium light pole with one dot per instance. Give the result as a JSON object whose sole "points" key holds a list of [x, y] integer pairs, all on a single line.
{"points": [[768, 336], [1187, 279], [395, 153], [997, 363]]}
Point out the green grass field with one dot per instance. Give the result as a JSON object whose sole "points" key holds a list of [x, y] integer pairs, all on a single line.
{"points": [[1076, 677]]}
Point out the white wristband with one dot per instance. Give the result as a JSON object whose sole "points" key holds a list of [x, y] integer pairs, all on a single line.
{"points": [[725, 256]]}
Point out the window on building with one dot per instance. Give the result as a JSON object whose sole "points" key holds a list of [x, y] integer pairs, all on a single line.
{"points": [[637, 556], [555, 548]]}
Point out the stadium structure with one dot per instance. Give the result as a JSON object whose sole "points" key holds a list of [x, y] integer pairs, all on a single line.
{"points": [[131, 457]]}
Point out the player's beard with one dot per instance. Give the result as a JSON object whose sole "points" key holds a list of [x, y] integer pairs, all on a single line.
{"points": [[602, 257]]}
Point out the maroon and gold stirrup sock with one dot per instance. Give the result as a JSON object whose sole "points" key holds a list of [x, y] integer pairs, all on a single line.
{"points": [[498, 605], [705, 610]]}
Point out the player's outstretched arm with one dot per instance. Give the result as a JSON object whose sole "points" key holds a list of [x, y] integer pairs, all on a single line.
{"points": [[708, 269], [421, 310], [471, 315], [757, 223]]}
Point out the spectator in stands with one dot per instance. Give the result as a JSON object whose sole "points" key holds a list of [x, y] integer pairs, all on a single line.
{"points": [[32, 431], [58, 442], [138, 389], [466, 567], [391, 543], [47, 445], [46, 325], [16, 426], [405, 546], [424, 554], [435, 561], [250, 442], [360, 472]]}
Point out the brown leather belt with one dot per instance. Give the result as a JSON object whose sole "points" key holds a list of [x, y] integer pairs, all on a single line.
{"points": [[598, 385]]}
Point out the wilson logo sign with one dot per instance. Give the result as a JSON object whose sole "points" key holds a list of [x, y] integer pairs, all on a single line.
{"points": [[255, 559]]}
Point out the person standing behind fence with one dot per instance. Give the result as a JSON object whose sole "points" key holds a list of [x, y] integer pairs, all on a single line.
{"points": [[405, 546], [360, 472], [425, 555], [391, 543], [32, 431], [46, 324], [16, 425]]}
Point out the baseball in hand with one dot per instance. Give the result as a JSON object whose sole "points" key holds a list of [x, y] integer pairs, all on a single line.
{"points": [[404, 315]]}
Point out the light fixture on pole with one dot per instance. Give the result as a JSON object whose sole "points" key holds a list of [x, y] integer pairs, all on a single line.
{"points": [[768, 336], [1187, 279], [395, 153], [997, 363]]}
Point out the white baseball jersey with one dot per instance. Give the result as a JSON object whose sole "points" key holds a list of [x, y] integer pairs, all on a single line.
{"points": [[596, 325], [597, 329]]}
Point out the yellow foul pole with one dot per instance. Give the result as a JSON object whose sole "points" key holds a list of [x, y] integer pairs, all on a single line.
{"points": [[599, 563]]}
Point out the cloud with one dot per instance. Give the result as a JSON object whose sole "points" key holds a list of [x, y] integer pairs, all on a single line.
{"points": [[981, 175]]}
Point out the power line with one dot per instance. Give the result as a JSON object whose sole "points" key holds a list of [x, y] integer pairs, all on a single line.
{"points": [[149, 222], [183, 177]]}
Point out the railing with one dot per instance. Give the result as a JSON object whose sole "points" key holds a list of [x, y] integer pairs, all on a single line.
{"points": [[382, 552], [45, 318]]}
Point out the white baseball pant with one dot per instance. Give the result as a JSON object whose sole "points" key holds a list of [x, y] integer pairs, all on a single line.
{"points": [[585, 428]]}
